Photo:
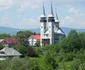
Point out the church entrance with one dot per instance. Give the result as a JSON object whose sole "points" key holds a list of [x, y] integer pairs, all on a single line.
{"points": [[45, 41]]}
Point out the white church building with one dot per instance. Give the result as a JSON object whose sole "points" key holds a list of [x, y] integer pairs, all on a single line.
{"points": [[50, 32]]}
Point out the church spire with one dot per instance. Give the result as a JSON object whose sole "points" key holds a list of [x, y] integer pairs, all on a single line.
{"points": [[51, 9], [44, 10], [56, 16], [51, 14]]}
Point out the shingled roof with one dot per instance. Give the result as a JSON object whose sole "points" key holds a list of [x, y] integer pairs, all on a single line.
{"points": [[9, 41]]}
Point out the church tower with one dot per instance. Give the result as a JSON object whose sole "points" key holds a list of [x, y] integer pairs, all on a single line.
{"points": [[51, 22], [50, 32], [56, 25], [43, 21]]}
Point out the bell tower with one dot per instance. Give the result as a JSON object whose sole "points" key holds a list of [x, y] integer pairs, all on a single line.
{"points": [[51, 22], [56, 25], [43, 21]]}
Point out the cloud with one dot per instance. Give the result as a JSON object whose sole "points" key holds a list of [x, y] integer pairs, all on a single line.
{"points": [[69, 2], [32, 4], [28, 23], [73, 10], [5, 4], [4, 21], [29, 4], [24, 24], [76, 20]]}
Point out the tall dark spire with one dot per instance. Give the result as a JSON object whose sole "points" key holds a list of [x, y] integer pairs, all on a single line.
{"points": [[51, 9], [44, 9], [56, 16]]}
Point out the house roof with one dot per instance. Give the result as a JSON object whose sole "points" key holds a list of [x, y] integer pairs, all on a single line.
{"points": [[9, 52], [9, 41], [36, 37]]}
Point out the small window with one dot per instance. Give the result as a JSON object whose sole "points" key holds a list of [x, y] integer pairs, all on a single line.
{"points": [[2, 52]]}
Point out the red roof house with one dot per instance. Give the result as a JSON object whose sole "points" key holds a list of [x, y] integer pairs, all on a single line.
{"points": [[37, 37], [8, 42], [33, 39]]}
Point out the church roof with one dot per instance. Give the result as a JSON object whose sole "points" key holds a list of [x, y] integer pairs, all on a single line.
{"points": [[59, 31], [47, 32], [9, 52]]}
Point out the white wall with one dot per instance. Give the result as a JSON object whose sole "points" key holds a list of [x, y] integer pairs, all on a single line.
{"points": [[32, 41]]}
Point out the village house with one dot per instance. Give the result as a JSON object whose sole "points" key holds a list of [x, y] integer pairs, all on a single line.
{"points": [[8, 42], [33, 40], [8, 52]]}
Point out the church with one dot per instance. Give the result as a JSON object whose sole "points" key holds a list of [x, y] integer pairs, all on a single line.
{"points": [[50, 31]]}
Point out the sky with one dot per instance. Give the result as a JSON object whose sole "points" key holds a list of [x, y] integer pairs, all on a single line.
{"points": [[25, 14]]}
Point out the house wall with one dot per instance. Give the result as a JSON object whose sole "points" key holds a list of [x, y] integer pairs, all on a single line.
{"points": [[5, 57], [8, 45], [32, 41]]}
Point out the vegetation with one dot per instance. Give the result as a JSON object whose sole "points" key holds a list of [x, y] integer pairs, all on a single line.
{"points": [[22, 36], [68, 54], [1, 46], [2, 36]]}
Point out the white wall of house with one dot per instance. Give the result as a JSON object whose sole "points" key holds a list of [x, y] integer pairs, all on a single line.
{"points": [[4, 57], [32, 41]]}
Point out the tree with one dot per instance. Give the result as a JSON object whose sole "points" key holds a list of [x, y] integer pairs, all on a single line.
{"points": [[82, 39], [21, 48], [2, 36], [19, 64], [21, 36], [50, 61], [75, 64], [31, 52], [71, 42], [34, 65], [37, 44], [1, 46]]}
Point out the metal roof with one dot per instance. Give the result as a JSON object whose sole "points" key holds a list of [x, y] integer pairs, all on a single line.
{"points": [[6, 51]]}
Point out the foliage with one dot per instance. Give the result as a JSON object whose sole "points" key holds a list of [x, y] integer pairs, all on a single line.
{"points": [[21, 48], [2, 36], [68, 54], [34, 65], [31, 52], [50, 61], [37, 43], [1, 46], [82, 39], [71, 42], [75, 64], [21, 36]]}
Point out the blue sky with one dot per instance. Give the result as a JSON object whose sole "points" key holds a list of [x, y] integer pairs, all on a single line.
{"points": [[25, 14]]}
